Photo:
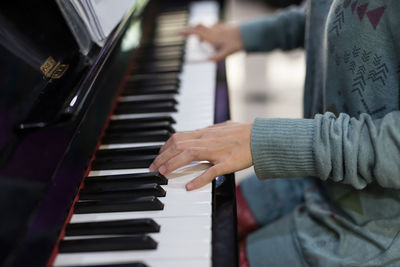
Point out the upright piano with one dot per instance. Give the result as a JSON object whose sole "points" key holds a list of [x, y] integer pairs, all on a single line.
{"points": [[78, 132]]}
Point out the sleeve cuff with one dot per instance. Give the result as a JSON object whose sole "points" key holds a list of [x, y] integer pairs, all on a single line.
{"points": [[253, 35], [283, 147]]}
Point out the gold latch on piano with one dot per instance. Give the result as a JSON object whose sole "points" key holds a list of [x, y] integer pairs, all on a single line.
{"points": [[52, 69]]}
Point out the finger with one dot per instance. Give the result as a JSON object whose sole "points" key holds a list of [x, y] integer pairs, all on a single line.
{"points": [[162, 158], [205, 178], [179, 137], [187, 31], [174, 150], [182, 159], [220, 54], [194, 30]]}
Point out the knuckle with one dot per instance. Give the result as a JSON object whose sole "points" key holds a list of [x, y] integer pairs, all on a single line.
{"points": [[175, 138], [193, 152], [178, 146]]}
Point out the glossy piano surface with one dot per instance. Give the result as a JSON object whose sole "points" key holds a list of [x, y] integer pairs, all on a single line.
{"points": [[50, 126]]}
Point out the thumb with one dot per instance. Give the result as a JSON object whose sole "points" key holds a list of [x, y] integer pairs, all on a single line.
{"points": [[205, 178]]}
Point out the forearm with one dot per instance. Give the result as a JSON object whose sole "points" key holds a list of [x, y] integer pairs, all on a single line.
{"points": [[347, 150], [285, 31]]}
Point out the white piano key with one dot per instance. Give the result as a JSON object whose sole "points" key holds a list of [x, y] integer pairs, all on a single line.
{"points": [[163, 252], [181, 262], [162, 262]]}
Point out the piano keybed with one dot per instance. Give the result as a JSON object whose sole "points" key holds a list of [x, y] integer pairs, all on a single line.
{"points": [[126, 215]]}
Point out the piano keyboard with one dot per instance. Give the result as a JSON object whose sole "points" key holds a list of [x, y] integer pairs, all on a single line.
{"points": [[127, 216]]}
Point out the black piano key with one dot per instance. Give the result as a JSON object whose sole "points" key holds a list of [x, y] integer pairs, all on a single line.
{"points": [[160, 66], [120, 227], [140, 126], [149, 51], [134, 242], [145, 99], [147, 90], [173, 45], [123, 162], [161, 55], [131, 137], [118, 205], [149, 99], [154, 77], [112, 191], [152, 80], [161, 118], [149, 107], [157, 70], [129, 179], [120, 195], [129, 151], [132, 264]]}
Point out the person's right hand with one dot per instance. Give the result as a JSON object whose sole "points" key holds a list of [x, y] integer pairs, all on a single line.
{"points": [[225, 38]]}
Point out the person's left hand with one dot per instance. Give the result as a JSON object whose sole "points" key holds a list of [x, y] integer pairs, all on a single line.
{"points": [[225, 145]]}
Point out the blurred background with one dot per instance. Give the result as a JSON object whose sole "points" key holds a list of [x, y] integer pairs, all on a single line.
{"points": [[263, 84]]}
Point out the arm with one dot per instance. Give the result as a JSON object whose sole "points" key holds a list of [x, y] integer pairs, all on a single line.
{"points": [[285, 30], [347, 150]]}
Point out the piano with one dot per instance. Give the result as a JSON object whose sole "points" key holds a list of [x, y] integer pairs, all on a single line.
{"points": [[78, 133]]}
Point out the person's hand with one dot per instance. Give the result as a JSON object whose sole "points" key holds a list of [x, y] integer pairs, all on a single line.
{"points": [[225, 38], [226, 146]]}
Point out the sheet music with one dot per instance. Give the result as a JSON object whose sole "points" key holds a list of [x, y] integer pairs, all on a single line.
{"points": [[101, 16], [92, 21]]}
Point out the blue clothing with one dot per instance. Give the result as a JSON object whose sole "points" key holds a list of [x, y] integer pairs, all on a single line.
{"points": [[349, 140]]}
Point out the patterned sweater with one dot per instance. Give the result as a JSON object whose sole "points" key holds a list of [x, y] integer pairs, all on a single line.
{"points": [[350, 137]]}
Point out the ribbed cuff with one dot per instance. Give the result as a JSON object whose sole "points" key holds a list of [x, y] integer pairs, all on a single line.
{"points": [[283, 147]]}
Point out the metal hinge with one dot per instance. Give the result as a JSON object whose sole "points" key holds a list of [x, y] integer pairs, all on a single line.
{"points": [[52, 69]]}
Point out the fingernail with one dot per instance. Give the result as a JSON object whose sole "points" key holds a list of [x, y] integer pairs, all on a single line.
{"points": [[189, 186], [162, 169]]}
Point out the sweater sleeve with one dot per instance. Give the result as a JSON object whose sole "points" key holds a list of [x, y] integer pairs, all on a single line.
{"points": [[344, 149], [286, 31]]}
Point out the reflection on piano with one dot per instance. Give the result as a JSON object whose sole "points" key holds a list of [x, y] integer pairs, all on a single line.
{"points": [[76, 146]]}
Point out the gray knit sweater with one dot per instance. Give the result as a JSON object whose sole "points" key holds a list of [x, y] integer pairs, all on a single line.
{"points": [[350, 138]]}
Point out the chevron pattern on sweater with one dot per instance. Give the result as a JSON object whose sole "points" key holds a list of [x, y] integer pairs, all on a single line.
{"points": [[337, 24], [377, 60], [356, 51], [359, 83], [379, 74], [365, 56]]}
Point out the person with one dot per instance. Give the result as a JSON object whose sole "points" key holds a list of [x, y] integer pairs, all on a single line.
{"points": [[345, 211]]}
